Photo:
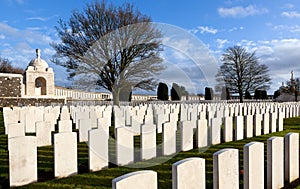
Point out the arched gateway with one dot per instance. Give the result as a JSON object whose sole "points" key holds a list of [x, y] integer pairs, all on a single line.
{"points": [[39, 78]]}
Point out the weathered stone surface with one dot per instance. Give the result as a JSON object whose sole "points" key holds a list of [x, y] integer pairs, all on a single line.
{"points": [[228, 129], [189, 173], [22, 160], [226, 169], [148, 141], [239, 128], [15, 129], [254, 165], [169, 138], [187, 133], [43, 133], [266, 123], [124, 146], [257, 124], [98, 149], [275, 165], [65, 154], [248, 123], [136, 180], [291, 158], [84, 127], [216, 131], [64, 126], [201, 133]]}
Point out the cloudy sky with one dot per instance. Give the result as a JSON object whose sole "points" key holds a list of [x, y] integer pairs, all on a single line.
{"points": [[270, 28]]}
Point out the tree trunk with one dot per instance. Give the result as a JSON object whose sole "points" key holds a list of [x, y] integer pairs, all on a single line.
{"points": [[241, 96], [116, 97]]}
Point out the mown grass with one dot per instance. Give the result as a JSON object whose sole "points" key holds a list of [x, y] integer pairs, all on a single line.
{"points": [[103, 179]]}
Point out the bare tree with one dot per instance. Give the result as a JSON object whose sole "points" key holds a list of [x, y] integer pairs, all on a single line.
{"points": [[6, 67], [118, 47], [241, 72]]}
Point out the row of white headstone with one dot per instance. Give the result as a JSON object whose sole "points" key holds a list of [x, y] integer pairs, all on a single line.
{"points": [[282, 165], [94, 128]]}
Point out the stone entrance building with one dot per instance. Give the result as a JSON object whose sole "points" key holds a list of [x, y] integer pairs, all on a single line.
{"points": [[39, 78], [37, 85]]}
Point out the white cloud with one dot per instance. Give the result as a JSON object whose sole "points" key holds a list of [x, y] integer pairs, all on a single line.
{"points": [[285, 28], [239, 11], [221, 43], [2, 36], [43, 19], [291, 14], [236, 28], [206, 29], [288, 6], [280, 55], [27, 35]]}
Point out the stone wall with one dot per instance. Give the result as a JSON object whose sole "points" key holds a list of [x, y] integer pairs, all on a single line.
{"points": [[6, 102], [10, 85]]}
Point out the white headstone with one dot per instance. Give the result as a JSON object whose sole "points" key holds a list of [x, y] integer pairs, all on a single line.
{"points": [[84, 126], [275, 166], [22, 160], [186, 135], [43, 133], [254, 165], [257, 124], [169, 138], [273, 122], [291, 158], [201, 133], [248, 122], [15, 129], [266, 123], [98, 149], [239, 128], [228, 129], [216, 130], [30, 121], [65, 154], [226, 169], [148, 141], [124, 146], [64, 126], [280, 121], [65, 115], [189, 173], [136, 180], [50, 117]]}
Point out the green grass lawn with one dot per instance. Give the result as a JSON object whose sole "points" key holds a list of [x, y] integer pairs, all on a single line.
{"points": [[103, 179]]}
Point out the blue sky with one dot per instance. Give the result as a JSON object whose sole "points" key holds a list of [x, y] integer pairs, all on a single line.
{"points": [[271, 28]]}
